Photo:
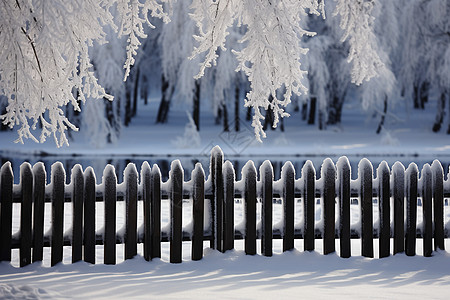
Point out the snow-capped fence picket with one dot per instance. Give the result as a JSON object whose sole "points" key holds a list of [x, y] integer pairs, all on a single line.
{"points": [[383, 207]]}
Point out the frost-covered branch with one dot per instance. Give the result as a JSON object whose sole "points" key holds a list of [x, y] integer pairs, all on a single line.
{"points": [[45, 59], [357, 23], [271, 55], [134, 16]]}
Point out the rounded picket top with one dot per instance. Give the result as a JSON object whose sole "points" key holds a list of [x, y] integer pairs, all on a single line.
{"points": [[365, 166], [266, 170], [287, 170], [25, 169], [57, 170], [145, 171], [343, 164], [130, 169], [156, 172], [426, 172], [198, 171], [109, 175], [77, 170], [39, 171], [197, 175], [248, 169], [383, 167], [145, 166], [398, 168], [6, 167], [176, 168], [216, 151], [308, 168], [89, 174], [438, 170], [412, 169], [228, 171], [327, 165], [328, 171]]}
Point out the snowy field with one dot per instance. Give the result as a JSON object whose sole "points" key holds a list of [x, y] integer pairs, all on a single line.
{"points": [[234, 275]]}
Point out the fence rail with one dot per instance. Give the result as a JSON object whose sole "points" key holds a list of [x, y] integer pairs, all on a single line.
{"points": [[396, 192]]}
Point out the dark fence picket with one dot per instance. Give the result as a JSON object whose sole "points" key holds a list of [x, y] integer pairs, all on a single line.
{"points": [[155, 190], [266, 173], [249, 177], [365, 174], [228, 215], [288, 179], [77, 213], [131, 195], [411, 209], [57, 240], [309, 200], [398, 194], [6, 199], [427, 206], [26, 188], [109, 198], [384, 198], [438, 207], [39, 180], [198, 207], [329, 199], [217, 201], [343, 182], [176, 201], [89, 216], [148, 210]]}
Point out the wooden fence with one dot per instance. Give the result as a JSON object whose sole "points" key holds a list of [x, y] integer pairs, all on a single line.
{"points": [[397, 190]]}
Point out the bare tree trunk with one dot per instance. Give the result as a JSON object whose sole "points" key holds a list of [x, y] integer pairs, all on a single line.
{"points": [[113, 118], [219, 115], [381, 124], [144, 89], [335, 110], [269, 118], [225, 118], [312, 110], [304, 111], [424, 89], [127, 105], [322, 121], [196, 101], [416, 96], [164, 106], [249, 114], [236, 106], [135, 93], [440, 113], [448, 118]]}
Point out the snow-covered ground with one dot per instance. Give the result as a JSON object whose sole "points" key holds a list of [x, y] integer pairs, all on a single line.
{"points": [[234, 275]]}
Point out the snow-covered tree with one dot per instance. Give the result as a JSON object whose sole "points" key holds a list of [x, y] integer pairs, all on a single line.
{"points": [[46, 63], [45, 57], [379, 93]]}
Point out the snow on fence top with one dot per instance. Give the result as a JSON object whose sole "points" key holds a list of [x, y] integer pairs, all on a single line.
{"points": [[396, 204]]}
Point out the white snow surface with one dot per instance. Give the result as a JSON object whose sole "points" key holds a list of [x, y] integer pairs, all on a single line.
{"points": [[234, 275]]}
